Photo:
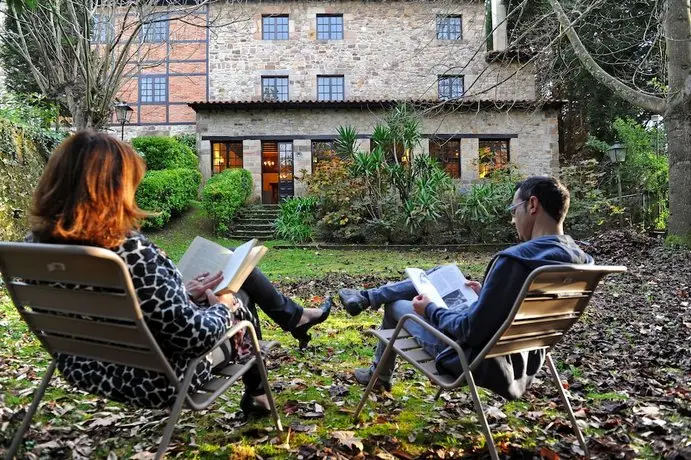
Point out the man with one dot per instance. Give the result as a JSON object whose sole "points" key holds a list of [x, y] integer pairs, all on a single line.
{"points": [[538, 210]]}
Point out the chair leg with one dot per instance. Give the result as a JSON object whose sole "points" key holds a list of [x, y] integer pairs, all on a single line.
{"points": [[175, 412], [30, 413], [267, 388], [436, 398], [373, 379], [481, 415], [565, 400]]}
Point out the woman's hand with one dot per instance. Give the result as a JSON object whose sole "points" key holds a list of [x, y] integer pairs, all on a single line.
{"points": [[229, 300], [420, 303], [196, 288], [475, 286]]}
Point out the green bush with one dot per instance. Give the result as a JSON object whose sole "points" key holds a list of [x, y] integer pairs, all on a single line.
{"points": [[161, 152], [224, 194], [190, 140], [296, 219], [24, 150], [167, 192]]}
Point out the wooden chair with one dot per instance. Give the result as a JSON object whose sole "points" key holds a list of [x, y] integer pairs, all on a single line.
{"points": [[552, 299], [105, 325]]}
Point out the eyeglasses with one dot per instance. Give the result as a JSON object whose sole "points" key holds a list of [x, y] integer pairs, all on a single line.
{"points": [[512, 208]]}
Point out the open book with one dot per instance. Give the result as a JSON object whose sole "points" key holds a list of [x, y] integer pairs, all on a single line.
{"points": [[444, 286], [206, 256]]}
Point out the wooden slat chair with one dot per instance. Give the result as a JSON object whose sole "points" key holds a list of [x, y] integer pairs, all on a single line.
{"points": [[106, 325], [551, 300]]}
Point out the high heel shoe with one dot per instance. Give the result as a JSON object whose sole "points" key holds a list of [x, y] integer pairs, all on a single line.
{"points": [[250, 406], [301, 332]]}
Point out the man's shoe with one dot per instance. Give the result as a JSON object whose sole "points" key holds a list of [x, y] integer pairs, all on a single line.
{"points": [[353, 301], [363, 376]]}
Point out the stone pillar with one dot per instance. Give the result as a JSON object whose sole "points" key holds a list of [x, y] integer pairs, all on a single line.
{"points": [[252, 161], [469, 160], [499, 25], [302, 154], [423, 148], [364, 145], [204, 148]]}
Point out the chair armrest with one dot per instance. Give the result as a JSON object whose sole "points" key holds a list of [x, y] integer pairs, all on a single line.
{"points": [[230, 333]]}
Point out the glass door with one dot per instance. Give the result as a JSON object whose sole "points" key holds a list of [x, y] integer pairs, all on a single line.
{"points": [[286, 185]]}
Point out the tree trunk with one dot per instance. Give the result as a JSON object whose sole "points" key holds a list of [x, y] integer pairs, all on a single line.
{"points": [[677, 27]]}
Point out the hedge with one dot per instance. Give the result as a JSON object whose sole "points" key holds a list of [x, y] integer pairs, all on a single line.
{"points": [[161, 152], [167, 192], [224, 194]]}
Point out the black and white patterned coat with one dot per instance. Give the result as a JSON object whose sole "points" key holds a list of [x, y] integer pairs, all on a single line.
{"points": [[182, 329]]}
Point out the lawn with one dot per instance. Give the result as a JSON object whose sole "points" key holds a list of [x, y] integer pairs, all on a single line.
{"points": [[629, 410]]}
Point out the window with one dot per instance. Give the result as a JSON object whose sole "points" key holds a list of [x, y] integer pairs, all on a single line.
{"points": [[322, 151], [329, 27], [155, 30], [493, 155], [153, 89], [226, 155], [449, 27], [103, 30], [450, 86], [330, 88], [275, 88], [448, 153], [275, 27]]}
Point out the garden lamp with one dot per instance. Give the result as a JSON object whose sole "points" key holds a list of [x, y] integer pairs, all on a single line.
{"points": [[123, 114], [617, 153]]}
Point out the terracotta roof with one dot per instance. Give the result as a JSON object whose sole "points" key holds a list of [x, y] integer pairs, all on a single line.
{"points": [[377, 103]]}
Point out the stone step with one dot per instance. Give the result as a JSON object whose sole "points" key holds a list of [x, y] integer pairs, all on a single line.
{"points": [[253, 227], [249, 235], [254, 220]]}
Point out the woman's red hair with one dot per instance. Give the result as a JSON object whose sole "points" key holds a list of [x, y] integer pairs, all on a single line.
{"points": [[86, 193]]}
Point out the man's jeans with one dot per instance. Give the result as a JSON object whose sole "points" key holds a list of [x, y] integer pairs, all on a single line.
{"points": [[401, 290]]}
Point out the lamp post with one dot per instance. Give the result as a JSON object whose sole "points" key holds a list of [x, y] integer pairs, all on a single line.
{"points": [[123, 114], [657, 119], [617, 155]]}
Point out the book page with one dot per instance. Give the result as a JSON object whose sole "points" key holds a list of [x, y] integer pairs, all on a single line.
{"points": [[203, 256], [424, 285], [256, 253], [234, 265], [450, 283]]}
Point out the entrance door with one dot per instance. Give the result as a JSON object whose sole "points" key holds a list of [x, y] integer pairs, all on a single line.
{"points": [[286, 185]]}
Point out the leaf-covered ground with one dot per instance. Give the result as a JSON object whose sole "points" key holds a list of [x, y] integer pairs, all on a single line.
{"points": [[627, 366]]}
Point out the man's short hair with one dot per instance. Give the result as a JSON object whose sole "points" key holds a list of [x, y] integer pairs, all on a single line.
{"points": [[552, 195]]}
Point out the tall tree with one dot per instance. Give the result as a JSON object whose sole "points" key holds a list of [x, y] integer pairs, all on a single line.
{"points": [[79, 51], [671, 97]]}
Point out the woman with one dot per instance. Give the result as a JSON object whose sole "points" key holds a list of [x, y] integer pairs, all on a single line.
{"points": [[86, 196]]}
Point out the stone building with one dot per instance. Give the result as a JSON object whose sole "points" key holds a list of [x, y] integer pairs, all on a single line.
{"points": [[280, 82]]}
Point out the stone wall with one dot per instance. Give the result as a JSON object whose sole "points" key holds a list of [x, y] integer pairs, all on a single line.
{"points": [[389, 51], [534, 138]]}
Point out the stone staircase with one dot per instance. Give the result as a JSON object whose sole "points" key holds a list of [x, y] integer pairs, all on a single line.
{"points": [[255, 221]]}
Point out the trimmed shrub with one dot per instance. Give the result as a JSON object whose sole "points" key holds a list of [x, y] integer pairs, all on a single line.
{"points": [[190, 140], [161, 152], [296, 219], [167, 192], [224, 194]]}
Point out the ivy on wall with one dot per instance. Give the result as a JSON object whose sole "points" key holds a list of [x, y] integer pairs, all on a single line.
{"points": [[23, 155]]}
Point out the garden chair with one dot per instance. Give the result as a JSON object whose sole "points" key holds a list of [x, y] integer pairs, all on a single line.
{"points": [[551, 300], [106, 325]]}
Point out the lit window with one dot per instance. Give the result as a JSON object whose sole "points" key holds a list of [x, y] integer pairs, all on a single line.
{"points": [[493, 155], [448, 153], [226, 155]]}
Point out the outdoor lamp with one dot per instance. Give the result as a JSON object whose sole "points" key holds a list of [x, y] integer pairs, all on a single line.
{"points": [[617, 153], [123, 114]]}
